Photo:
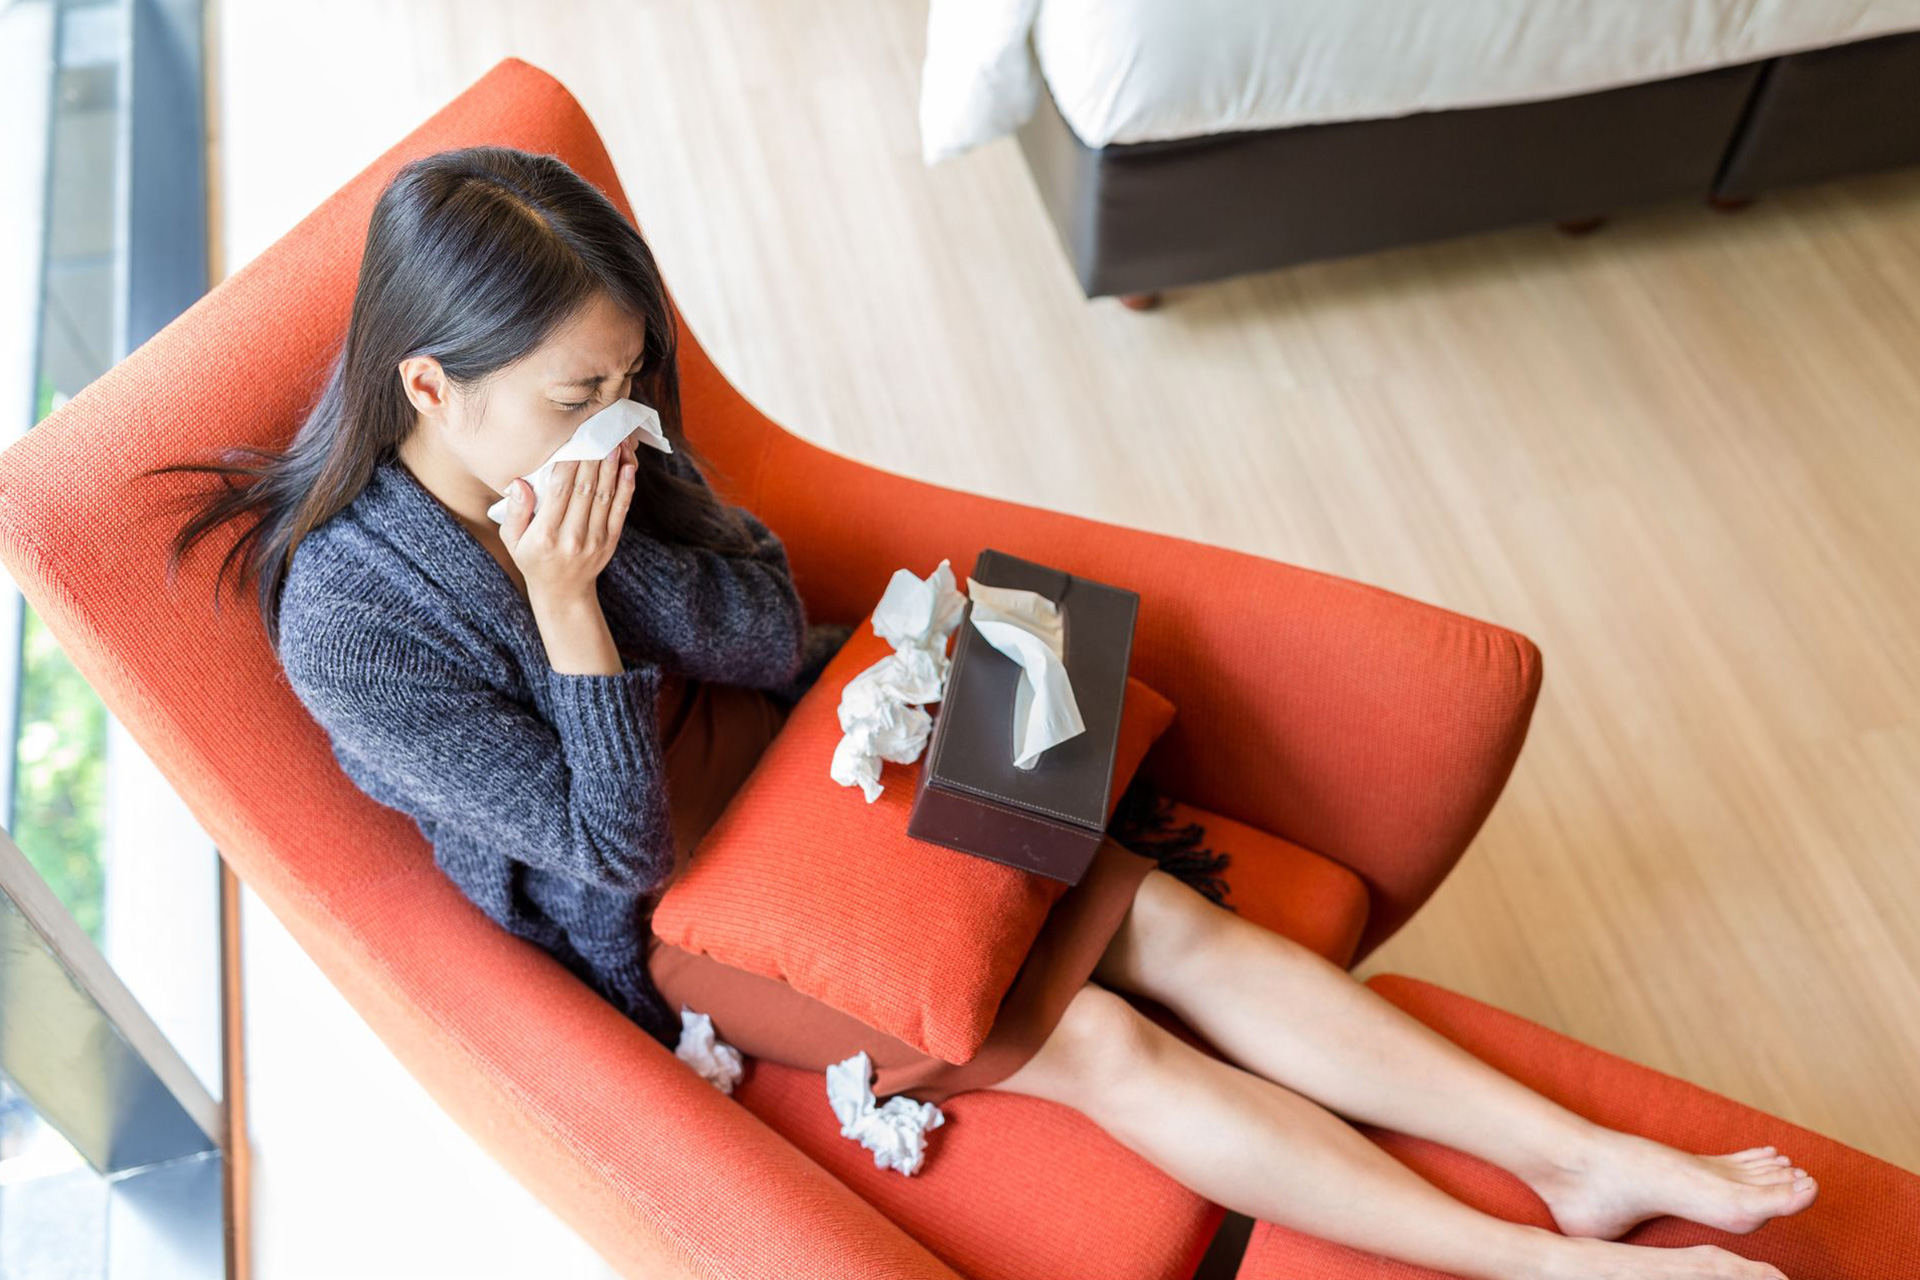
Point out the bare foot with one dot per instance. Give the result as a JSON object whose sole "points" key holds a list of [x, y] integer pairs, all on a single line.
{"points": [[1618, 1179], [1573, 1258]]}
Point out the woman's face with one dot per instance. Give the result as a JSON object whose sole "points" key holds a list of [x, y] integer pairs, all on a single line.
{"points": [[514, 421]]}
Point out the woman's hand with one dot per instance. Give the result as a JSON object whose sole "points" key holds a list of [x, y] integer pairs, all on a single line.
{"points": [[562, 546]]}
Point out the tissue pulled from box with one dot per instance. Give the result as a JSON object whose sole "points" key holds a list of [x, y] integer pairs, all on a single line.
{"points": [[882, 712], [1028, 627], [592, 442], [897, 1132]]}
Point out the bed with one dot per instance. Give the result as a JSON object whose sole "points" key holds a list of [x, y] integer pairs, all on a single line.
{"points": [[1179, 141]]}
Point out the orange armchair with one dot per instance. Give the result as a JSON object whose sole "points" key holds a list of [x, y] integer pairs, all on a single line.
{"points": [[1344, 741]]}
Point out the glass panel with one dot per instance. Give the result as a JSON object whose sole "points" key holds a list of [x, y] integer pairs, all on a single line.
{"points": [[114, 246], [55, 811], [53, 1206], [59, 770], [102, 242]]}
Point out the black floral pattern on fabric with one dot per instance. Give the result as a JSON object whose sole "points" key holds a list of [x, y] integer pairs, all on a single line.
{"points": [[1143, 822]]}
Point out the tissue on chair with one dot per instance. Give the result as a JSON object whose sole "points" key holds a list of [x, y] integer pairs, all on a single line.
{"points": [[700, 1048], [1028, 627], [896, 1133], [880, 722], [591, 442], [881, 709]]}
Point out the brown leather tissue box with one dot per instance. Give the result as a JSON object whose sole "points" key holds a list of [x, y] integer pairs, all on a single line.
{"points": [[1049, 818]]}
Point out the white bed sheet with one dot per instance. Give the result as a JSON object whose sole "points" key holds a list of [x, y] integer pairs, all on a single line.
{"points": [[1147, 70]]}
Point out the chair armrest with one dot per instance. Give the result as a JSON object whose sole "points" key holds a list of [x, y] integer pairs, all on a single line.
{"points": [[1370, 727], [652, 1165]]}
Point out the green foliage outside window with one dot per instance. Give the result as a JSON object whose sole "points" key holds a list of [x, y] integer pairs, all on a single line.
{"points": [[60, 766]]}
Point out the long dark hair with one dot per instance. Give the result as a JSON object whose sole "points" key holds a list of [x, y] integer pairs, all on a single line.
{"points": [[473, 256]]}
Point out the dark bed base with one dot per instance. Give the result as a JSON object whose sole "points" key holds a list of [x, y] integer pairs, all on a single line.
{"points": [[1826, 114], [1137, 218]]}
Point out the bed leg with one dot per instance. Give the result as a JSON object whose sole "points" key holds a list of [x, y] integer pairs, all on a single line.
{"points": [[1580, 226], [1140, 301]]}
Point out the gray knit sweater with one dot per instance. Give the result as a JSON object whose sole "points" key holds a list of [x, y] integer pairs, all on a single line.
{"points": [[543, 794]]}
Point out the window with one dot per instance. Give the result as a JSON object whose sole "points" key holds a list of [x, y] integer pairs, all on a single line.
{"points": [[112, 1120]]}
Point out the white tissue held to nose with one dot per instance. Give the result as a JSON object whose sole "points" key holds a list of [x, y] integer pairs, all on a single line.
{"points": [[592, 441], [896, 1133]]}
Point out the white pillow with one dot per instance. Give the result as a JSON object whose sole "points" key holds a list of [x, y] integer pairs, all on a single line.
{"points": [[980, 79]]}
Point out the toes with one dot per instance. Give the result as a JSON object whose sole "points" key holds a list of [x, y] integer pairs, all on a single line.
{"points": [[1776, 1198], [1800, 1189], [1767, 1175]]}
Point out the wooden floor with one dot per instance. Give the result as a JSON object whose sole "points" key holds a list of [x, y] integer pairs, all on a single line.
{"points": [[1681, 454]]}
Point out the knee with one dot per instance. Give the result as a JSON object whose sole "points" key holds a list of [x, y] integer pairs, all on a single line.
{"points": [[1177, 917], [1170, 941], [1100, 1044]]}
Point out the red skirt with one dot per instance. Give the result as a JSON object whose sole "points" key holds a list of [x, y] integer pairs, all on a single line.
{"points": [[714, 735]]}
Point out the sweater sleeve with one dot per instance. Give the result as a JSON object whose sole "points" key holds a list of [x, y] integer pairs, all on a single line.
{"points": [[583, 795], [736, 619]]}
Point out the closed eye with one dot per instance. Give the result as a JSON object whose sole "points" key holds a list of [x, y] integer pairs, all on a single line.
{"points": [[578, 405]]}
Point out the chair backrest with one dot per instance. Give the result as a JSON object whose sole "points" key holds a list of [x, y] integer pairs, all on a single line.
{"points": [[85, 536], [628, 1146]]}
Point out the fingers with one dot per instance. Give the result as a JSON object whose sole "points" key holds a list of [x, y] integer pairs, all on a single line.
{"points": [[572, 529], [592, 494], [519, 512], [560, 482], [623, 494]]}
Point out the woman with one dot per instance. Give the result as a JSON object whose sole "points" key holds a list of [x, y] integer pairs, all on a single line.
{"points": [[563, 703]]}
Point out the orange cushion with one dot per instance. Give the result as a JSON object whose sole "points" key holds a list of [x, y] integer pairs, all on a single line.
{"points": [[803, 880], [1286, 888], [1014, 1187], [1861, 1225]]}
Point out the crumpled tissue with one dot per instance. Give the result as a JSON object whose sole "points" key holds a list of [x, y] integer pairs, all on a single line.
{"points": [[882, 715], [1027, 627], [702, 1049], [591, 442], [882, 709], [896, 1133]]}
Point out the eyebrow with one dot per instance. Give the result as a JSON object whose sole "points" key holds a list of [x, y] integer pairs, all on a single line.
{"points": [[592, 381]]}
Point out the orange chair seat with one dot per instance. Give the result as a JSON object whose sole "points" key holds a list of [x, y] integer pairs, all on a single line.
{"points": [[1102, 1210], [1013, 1187], [1862, 1226]]}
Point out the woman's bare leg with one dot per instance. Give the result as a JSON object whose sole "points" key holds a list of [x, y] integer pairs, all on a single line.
{"points": [[1261, 1149], [1287, 1013]]}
